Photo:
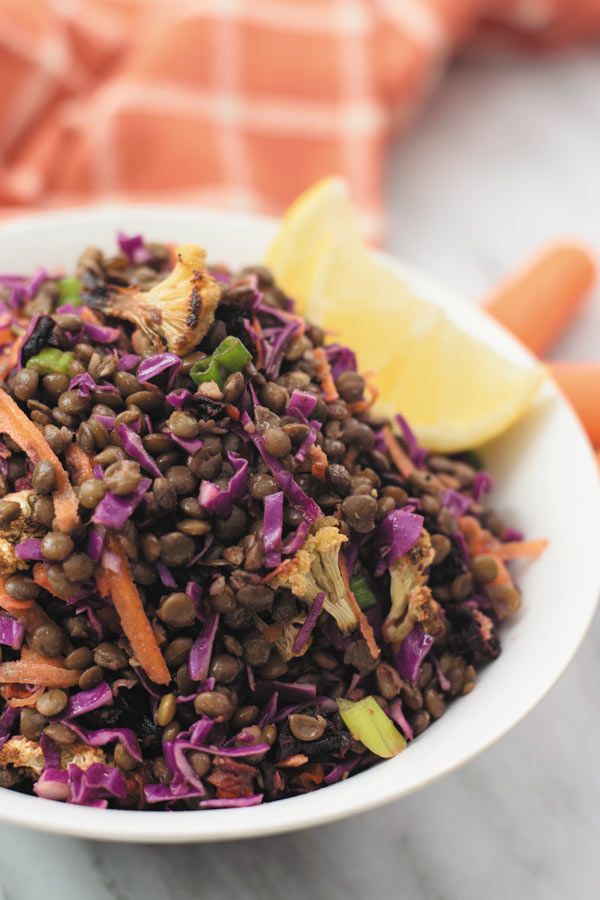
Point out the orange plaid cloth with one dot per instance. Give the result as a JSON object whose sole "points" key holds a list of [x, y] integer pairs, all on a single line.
{"points": [[240, 103]]}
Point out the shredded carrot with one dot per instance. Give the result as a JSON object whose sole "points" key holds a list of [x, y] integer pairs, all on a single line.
{"points": [[371, 389], [363, 623], [260, 358], [278, 570], [480, 541], [232, 411], [38, 670], [9, 603], [88, 315], [515, 549], [23, 431], [402, 461], [134, 620], [40, 576], [324, 375], [292, 762], [80, 463], [9, 360], [320, 463], [312, 776], [19, 697], [6, 336]]}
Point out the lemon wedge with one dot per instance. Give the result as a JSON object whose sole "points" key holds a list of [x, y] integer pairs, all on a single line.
{"points": [[319, 217], [455, 391]]}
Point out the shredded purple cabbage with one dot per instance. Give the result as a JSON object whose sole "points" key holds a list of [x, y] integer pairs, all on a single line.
{"points": [[412, 651], [341, 359], [7, 723], [158, 363], [220, 502], [11, 632], [178, 398], [301, 405], [399, 531], [134, 248], [94, 786], [29, 548], [86, 701], [309, 624], [482, 484], [289, 692], [455, 502], [115, 511], [200, 654], [103, 334], [132, 443], [273, 527], [125, 736], [395, 713]]}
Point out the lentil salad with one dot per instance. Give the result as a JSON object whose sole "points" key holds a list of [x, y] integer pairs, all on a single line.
{"points": [[224, 580]]}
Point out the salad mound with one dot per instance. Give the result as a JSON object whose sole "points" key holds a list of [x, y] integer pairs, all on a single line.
{"points": [[224, 579]]}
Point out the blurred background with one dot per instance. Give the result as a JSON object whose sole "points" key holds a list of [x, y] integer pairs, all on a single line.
{"points": [[469, 131]]}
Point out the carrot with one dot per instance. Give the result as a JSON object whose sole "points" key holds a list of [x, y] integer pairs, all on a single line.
{"points": [[79, 462], [19, 697], [134, 620], [480, 541], [371, 389], [6, 336], [259, 347], [539, 301], [9, 360], [23, 431], [292, 762], [580, 381], [88, 315], [516, 549], [363, 623], [402, 461], [320, 463], [38, 671], [324, 375]]}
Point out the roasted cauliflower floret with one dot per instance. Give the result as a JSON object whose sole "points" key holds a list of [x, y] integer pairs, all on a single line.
{"points": [[22, 753], [13, 532], [176, 313], [314, 569], [411, 599]]}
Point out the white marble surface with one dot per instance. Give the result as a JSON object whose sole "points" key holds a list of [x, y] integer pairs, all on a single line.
{"points": [[505, 157]]}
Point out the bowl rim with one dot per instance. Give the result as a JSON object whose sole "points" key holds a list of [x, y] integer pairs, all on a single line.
{"points": [[342, 799]]}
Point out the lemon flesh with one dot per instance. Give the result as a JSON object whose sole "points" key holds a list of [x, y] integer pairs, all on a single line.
{"points": [[455, 391]]}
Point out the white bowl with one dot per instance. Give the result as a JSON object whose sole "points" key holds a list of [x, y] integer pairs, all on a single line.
{"points": [[547, 485]]}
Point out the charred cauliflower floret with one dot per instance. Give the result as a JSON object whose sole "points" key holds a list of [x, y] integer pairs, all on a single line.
{"points": [[13, 532], [22, 753], [315, 569], [411, 599], [176, 313]]}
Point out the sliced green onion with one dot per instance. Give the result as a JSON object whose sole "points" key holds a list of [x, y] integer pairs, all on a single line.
{"points": [[51, 360], [231, 354], [70, 290], [207, 370], [362, 592], [367, 723]]}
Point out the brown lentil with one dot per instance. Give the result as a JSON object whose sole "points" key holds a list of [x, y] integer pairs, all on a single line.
{"points": [[166, 710], [122, 477], [31, 724], [20, 587], [90, 492], [484, 568], [60, 734], [108, 656], [177, 610], [52, 702], [91, 678], [56, 546], [213, 704], [306, 728], [49, 640]]}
